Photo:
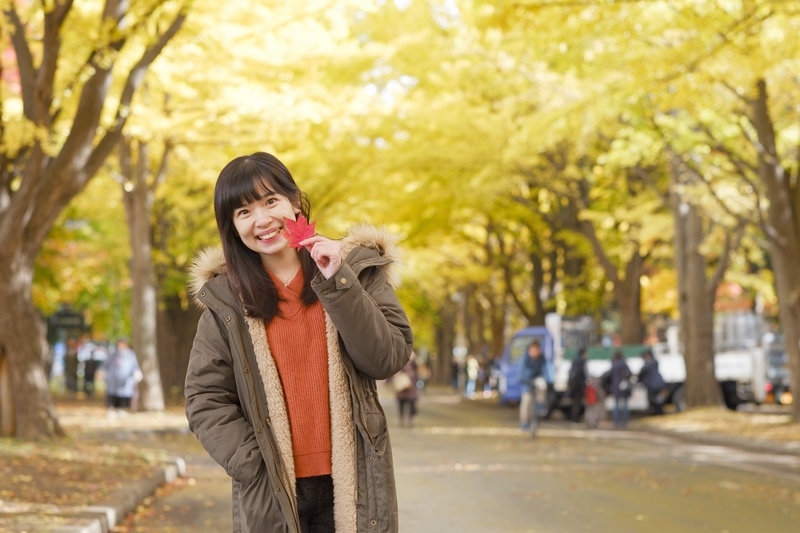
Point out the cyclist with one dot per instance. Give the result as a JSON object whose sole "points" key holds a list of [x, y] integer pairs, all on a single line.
{"points": [[533, 366]]}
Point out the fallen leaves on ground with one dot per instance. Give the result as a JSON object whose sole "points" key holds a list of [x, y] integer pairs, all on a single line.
{"points": [[99, 456], [766, 426]]}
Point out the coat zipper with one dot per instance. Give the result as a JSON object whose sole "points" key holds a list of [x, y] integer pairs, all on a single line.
{"points": [[261, 419]]}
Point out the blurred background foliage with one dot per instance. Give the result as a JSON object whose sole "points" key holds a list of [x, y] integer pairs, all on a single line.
{"points": [[503, 141]]}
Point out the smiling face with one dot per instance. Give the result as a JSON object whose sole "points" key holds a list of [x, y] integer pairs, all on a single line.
{"points": [[260, 223], [252, 195]]}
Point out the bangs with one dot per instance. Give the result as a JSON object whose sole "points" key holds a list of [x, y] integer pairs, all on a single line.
{"points": [[250, 190], [244, 189]]}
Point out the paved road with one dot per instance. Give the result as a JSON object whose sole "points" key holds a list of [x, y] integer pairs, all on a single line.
{"points": [[466, 467]]}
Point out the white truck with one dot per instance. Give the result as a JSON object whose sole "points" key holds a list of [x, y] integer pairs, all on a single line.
{"points": [[740, 363]]}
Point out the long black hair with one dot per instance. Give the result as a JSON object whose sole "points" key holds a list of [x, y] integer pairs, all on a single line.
{"points": [[242, 181]]}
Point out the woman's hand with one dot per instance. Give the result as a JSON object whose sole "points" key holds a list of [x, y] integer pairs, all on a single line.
{"points": [[325, 252]]}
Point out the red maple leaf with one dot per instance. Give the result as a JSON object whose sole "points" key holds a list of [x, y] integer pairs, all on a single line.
{"points": [[297, 231]]}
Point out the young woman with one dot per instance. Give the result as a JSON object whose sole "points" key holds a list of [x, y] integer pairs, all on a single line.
{"points": [[280, 388]]}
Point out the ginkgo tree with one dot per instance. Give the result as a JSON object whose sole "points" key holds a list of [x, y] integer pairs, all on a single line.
{"points": [[79, 68]]}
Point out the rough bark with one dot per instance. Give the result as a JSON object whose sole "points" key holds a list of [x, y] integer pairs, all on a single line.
{"points": [[31, 414], [783, 232]]}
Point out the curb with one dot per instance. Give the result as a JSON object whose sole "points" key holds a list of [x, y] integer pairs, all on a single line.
{"points": [[89, 518], [783, 448]]}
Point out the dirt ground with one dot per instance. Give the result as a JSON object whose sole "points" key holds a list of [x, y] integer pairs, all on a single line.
{"points": [[99, 455], [770, 423]]}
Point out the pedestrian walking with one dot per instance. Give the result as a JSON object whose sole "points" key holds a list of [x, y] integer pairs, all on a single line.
{"points": [[472, 370], [532, 367], [89, 358], [617, 382], [650, 377], [406, 391], [593, 399], [576, 383], [122, 375], [296, 328], [71, 366]]}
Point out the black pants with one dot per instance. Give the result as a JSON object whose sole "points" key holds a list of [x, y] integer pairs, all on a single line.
{"points": [[410, 404], [576, 408], [656, 400], [315, 504]]}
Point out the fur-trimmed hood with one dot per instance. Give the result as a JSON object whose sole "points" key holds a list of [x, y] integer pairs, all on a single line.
{"points": [[210, 262]]}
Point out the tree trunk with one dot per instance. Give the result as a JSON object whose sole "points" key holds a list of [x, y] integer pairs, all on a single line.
{"points": [[783, 232], [498, 324], [22, 339], [175, 341], [445, 334], [629, 301], [138, 199], [696, 301]]}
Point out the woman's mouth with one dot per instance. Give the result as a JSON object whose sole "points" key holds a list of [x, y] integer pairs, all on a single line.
{"points": [[269, 236]]}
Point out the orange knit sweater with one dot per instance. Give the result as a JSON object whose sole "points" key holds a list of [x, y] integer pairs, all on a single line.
{"points": [[299, 347]]}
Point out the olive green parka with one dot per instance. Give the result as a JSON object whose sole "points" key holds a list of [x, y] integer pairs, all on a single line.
{"points": [[236, 407]]}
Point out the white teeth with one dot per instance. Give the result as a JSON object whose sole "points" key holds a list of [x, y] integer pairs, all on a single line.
{"points": [[268, 235]]}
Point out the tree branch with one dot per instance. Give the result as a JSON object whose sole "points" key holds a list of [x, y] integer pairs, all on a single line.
{"points": [[611, 271], [732, 240], [46, 73], [27, 72], [163, 168], [135, 79]]}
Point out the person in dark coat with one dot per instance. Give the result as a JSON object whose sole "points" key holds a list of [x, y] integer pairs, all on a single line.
{"points": [[407, 397], [532, 367], [617, 382], [576, 383], [650, 377], [71, 366]]}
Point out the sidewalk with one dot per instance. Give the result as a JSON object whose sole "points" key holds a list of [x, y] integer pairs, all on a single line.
{"points": [[88, 482], [754, 430]]}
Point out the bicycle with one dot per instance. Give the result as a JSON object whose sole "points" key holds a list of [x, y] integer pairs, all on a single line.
{"points": [[539, 405]]}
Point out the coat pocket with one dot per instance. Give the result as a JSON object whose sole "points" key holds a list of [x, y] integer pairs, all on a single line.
{"points": [[377, 430], [255, 507]]}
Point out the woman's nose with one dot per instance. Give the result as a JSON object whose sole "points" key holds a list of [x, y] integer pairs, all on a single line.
{"points": [[261, 216]]}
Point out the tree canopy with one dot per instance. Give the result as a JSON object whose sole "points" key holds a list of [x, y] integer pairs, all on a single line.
{"points": [[523, 151]]}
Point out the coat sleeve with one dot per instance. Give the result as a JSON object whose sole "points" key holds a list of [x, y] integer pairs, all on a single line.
{"points": [[371, 322], [213, 406]]}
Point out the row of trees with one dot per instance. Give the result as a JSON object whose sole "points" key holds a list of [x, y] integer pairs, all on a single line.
{"points": [[537, 156], [640, 142]]}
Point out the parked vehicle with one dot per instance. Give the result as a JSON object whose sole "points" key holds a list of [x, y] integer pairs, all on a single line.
{"points": [[779, 376], [740, 362], [553, 337], [509, 387]]}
